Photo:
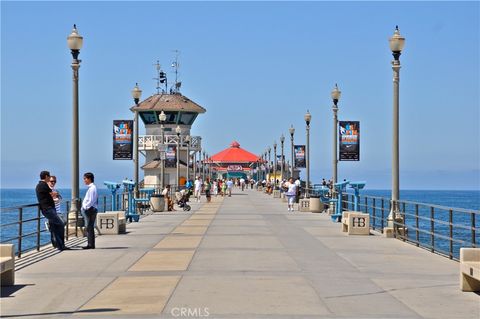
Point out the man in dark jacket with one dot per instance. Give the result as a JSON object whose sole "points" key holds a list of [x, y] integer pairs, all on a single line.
{"points": [[45, 197]]}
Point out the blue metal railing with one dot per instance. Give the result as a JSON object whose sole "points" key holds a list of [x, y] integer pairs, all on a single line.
{"points": [[440, 229]]}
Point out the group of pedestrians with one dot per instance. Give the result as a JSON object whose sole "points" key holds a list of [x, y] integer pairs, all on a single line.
{"points": [[216, 187], [49, 200]]}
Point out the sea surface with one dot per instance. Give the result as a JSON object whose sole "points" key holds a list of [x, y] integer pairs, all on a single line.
{"points": [[462, 233]]}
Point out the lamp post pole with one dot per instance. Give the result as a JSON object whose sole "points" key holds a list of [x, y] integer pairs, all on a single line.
{"points": [[203, 167], [187, 141], [162, 117], [274, 164], [396, 45], [136, 94], [336, 93], [178, 131], [266, 163], [292, 132], [75, 42], [269, 162], [282, 158], [308, 119]]}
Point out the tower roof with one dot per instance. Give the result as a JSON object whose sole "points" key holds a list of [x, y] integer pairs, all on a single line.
{"points": [[234, 154], [168, 102]]}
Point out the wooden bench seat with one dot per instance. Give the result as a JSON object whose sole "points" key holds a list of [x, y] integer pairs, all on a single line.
{"points": [[7, 264], [470, 269]]}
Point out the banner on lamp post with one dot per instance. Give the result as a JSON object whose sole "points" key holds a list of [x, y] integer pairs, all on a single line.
{"points": [[171, 156], [299, 152], [122, 140], [349, 140]]}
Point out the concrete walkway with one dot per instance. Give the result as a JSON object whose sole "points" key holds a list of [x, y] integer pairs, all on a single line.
{"points": [[240, 257]]}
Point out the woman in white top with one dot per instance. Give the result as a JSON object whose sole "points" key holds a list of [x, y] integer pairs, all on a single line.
{"points": [[291, 193]]}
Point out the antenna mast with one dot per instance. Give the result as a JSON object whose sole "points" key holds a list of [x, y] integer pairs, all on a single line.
{"points": [[176, 66], [158, 68]]}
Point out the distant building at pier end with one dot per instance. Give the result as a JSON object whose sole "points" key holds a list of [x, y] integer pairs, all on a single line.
{"points": [[233, 162]]}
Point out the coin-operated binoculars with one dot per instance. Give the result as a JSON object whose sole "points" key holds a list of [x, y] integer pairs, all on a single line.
{"points": [[339, 189], [130, 213], [357, 186], [113, 187]]}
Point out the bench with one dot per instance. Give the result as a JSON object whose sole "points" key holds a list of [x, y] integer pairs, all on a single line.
{"points": [[7, 264], [111, 223], [355, 223], [470, 269]]}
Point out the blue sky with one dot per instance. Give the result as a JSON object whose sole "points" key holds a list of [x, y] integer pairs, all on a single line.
{"points": [[256, 67]]}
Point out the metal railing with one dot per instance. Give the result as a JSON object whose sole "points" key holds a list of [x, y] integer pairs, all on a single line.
{"points": [[439, 229], [24, 226], [152, 142]]}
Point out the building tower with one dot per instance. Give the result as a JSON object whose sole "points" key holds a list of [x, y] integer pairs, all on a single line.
{"points": [[180, 111]]}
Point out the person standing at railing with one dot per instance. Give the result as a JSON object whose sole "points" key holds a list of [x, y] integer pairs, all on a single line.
{"points": [[89, 208], [45, 198], [58, 207]]}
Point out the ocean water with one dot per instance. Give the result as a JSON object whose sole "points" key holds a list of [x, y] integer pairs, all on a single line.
{"points": [[469, 200]]}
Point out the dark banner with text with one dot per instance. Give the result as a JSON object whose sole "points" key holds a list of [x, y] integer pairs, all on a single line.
{"points": [[171, 156], [299, 151], [122, 140], [349, 137]]}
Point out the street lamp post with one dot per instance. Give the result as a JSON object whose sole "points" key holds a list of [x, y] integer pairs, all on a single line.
{"points": [[178, 131], [269, 161], [187, 141], [136, 94], [282, 141], [266, 163], [75, 42], [274, 164], [396, 45], [162, 117], [336, 93], [308, 118], [203, 167], [292, 132]]}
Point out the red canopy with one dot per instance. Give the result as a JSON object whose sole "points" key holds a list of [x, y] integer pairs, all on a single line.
{"points": [[234, 154]]}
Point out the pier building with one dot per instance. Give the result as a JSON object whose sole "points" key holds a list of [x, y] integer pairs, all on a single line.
{"points": [[164, 135], [233, 162]]}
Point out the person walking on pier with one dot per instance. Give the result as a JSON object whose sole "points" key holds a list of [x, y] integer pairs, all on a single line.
{"points": [[229, 187], [291, 193], [89, 208], [168, 199], [45, 198], [207, 186], [198, 188]]}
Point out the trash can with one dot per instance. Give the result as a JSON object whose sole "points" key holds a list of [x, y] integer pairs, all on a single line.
{"points": [[157, 202], [316, 205]]}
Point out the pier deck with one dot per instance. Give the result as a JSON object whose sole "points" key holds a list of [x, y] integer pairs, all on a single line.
{"points": [[241, 257]]}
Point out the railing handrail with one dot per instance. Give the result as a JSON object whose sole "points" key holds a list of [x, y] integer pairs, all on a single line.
{"points": [[420, 224], [456, 209], [38, 217]]}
